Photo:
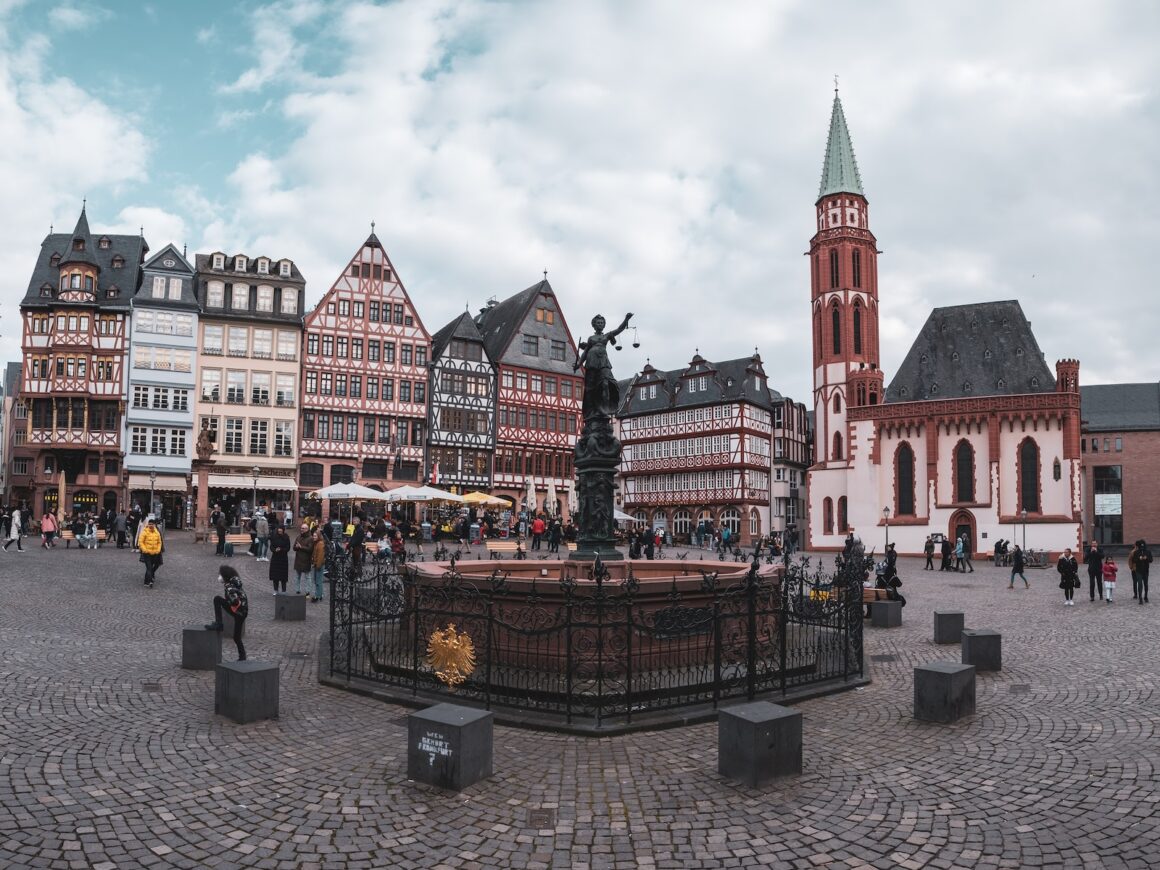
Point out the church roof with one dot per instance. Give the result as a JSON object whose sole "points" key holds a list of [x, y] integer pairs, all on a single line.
{"points": [[982, 349], [1120, 407], [840, 169], [462, 327]]}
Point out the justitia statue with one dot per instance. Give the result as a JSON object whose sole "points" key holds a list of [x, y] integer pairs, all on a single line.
{"points": [[597, 449]]}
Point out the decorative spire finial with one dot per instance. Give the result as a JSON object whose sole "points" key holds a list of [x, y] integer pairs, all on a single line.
{"points": [[835, 84], [372, 228], [545, 274]]}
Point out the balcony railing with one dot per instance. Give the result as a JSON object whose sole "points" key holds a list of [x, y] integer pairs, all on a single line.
{"points": [[212, 351], [235, 352]]}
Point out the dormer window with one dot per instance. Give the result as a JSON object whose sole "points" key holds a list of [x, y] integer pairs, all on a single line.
{"points": [[118, 262], [263, 266], [54, 260], [1018, 351], [112, 293], [103, 243], [239, 264], [219, 261], [284, 268], [1035, 382], [986, 354], [955, 356], [46, 290], [1001, 384], [78, 244]]}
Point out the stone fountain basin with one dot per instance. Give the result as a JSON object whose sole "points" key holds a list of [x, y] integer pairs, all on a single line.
{"points": [[653, 575]]}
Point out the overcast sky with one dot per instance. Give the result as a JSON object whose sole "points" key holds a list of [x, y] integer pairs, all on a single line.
{"points": [[658, 157]]}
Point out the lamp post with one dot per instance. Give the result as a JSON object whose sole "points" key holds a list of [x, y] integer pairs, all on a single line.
{"points": [[152, 483], [1023, 514], [254, 506], [886, 520]]}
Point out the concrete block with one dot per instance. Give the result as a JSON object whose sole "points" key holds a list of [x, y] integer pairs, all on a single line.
{"points": [[759, 741], [289, 607], [449, 746], [247, 691], [944, 692], [983, 648], [886, 614], [201, 649], [948, 626]]}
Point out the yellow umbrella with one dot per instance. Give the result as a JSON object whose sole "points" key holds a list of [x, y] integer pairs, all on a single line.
{"points": [[482, 498]]}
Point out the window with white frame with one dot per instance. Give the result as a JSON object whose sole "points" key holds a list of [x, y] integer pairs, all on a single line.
{"points": [[239, 264], [181, 400], [263, 266], [215, 294], [285, 390], [259, 430], [240, 297], [263, 343], [160, 398], [175, 288], [239, 340], [139, 440], [287, 345], [157, 441], [284, 268], [163, 323], [283, 438], [211, 339], [177, 442], [289, 300], [265, 298], [158, 287], [219, 261], [183, 324], [211, 385], [260, 388], [234, 434], [235, 387], [140, 397]]}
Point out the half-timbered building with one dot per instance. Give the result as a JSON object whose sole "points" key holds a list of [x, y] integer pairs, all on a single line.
{"points": [[973, 437], [696, 447], [461, 420], [75, 327], [364, 379], [158, 437], [250, 336], [540, 396]]}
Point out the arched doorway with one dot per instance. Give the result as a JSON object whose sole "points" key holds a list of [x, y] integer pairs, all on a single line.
{"points": [[963, 523]]}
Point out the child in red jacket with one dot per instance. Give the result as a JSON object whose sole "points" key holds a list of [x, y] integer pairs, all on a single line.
{"points": [[1109, 578]]}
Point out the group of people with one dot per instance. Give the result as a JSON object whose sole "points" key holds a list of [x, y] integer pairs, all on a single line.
{"points": [[955, 557], [1102, 573], [123, 527]]}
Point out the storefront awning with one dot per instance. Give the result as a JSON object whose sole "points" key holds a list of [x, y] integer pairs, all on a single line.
{"points": [[241, 481], [163, 483]]}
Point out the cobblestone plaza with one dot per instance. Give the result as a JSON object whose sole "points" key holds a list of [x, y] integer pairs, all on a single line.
{"points": [[112, 755]]}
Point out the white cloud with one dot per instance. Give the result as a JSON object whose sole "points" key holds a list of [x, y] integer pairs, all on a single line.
{"points": [[73, 16]]}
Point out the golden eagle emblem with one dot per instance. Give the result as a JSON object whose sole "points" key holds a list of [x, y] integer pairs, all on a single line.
{"points": [[451, 655]]}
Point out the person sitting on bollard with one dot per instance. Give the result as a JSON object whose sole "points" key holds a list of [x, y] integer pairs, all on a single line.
{"points": [[234, 600]]}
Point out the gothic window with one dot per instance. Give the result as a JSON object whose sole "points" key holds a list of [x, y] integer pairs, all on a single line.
{"points": [[904, 480], [1029, 476], [836, 327], [837, 403], [843, 517], [861, 395], [964, 476], [857, 327], [833, 268], [1057, 469], [837, 445], [828, 516], [856, 259]]}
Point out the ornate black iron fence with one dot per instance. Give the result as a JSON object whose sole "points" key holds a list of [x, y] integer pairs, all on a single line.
{"points": [[595, 651]]}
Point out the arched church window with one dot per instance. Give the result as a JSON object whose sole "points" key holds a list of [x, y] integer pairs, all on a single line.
{"points": [[1056, 469], [964, 472], [856, 261], [843, 516], [828, 515], [904, 479], [857, 327], [834, 268], [837, 445], [1029, 476], [836, 328], [837, 403]]}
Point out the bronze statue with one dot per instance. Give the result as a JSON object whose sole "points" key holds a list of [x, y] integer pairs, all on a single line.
{"points": [[601, 393], [204, 444]]}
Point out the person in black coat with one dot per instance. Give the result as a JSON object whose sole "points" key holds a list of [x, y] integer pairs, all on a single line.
{"points": [[1017, 568], [1094, 559], [1143, 561], [946, 555], [279, 545], [1068, 570]]}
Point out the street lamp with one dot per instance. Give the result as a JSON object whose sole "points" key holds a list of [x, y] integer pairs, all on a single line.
{"points": [[886, 520], [1023, 514], [152, 482], [254, 506]]}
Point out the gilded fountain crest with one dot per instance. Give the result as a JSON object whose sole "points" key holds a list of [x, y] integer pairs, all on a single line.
{"points": [[451, 655]]}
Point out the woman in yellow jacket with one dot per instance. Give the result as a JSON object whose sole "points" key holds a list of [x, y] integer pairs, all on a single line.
{"points": [[151, 546]]}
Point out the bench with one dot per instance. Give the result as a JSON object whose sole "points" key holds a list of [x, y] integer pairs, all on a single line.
{"points": [[496, 548], [68, 536], [239, 539]]}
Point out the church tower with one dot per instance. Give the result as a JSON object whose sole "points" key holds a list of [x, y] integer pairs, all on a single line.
{"points": [[844, 298]]}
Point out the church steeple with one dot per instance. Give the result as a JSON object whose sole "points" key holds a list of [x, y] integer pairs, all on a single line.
{"points": [[840, 169]]}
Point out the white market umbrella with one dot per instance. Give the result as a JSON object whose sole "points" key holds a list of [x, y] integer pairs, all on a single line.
{"points": [[551, 504], [621, 517], [421, 494], [348, 490], [573, 502], [530, 496]]}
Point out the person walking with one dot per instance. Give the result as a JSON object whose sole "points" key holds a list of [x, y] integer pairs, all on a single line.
{"points": [[946, 554], [1094, 559], [959, 555], [1133, 569], [1068, 570], [14, 532], [120, 526], [1109, 572], [278, 548], [357, 546], [965, 541], [537, 532], [303, 555], [218, 520], [261, 538], [48, 527], [555, 532], [1143, 562], [1017, 566], [234, 600], [151, 546], [928, 551], [318, 564]]}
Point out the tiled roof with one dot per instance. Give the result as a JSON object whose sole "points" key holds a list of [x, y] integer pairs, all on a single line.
{"points": [[1120, 407], [462, 327], [730, 380], [500, 322], [983, 349], [840, 169]]}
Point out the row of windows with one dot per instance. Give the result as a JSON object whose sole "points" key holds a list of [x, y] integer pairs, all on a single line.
{"points": [[241, 263], [375, 311], [453, 461], [454, 383], [162, 358], [244, 341], [69, 367], [1118, 441], [163, 322], [374, 429], [22, 465], [264, 297], [693, 481], [259, 383], [157, 442], [546, 384], [166, 288], [705, 446], [345, 347], [459, 420], [540, 463], [520, 417], [160, 398], [340, 384], [370, 270], [690, 415], [234, 442], [96, 416], [468, 350], [76, 323], [530, 344]]}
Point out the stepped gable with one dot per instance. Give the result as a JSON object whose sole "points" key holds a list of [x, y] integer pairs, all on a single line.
{"points": [[964, 351]]}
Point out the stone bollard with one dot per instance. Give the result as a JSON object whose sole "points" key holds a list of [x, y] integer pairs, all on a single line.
{"points": [[289, 607], [246, 691], [944, 692], [201, 649], [948, 626], [983, 648], [886, 614], [449, 746], [759, 741]]}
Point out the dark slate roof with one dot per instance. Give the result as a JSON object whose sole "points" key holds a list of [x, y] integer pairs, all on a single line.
{"points": [[81, 234], [983, 349], [729, 381], [126, 279], [462, 327], [1120, 407], [181, 267], [11, 378], [499, 323]]}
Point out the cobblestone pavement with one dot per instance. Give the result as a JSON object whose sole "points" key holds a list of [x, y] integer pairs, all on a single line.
{"points": [[112, 756]]}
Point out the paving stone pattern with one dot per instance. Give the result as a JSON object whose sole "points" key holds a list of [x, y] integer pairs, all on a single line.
{"points": [[112, 756]]}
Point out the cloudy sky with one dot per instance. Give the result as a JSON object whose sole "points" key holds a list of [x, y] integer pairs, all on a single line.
{"points": [[659, 157]]}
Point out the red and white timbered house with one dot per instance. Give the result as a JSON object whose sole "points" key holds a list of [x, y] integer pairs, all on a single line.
{"points": [[75, 328], [540, 394], [364, 379]]}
